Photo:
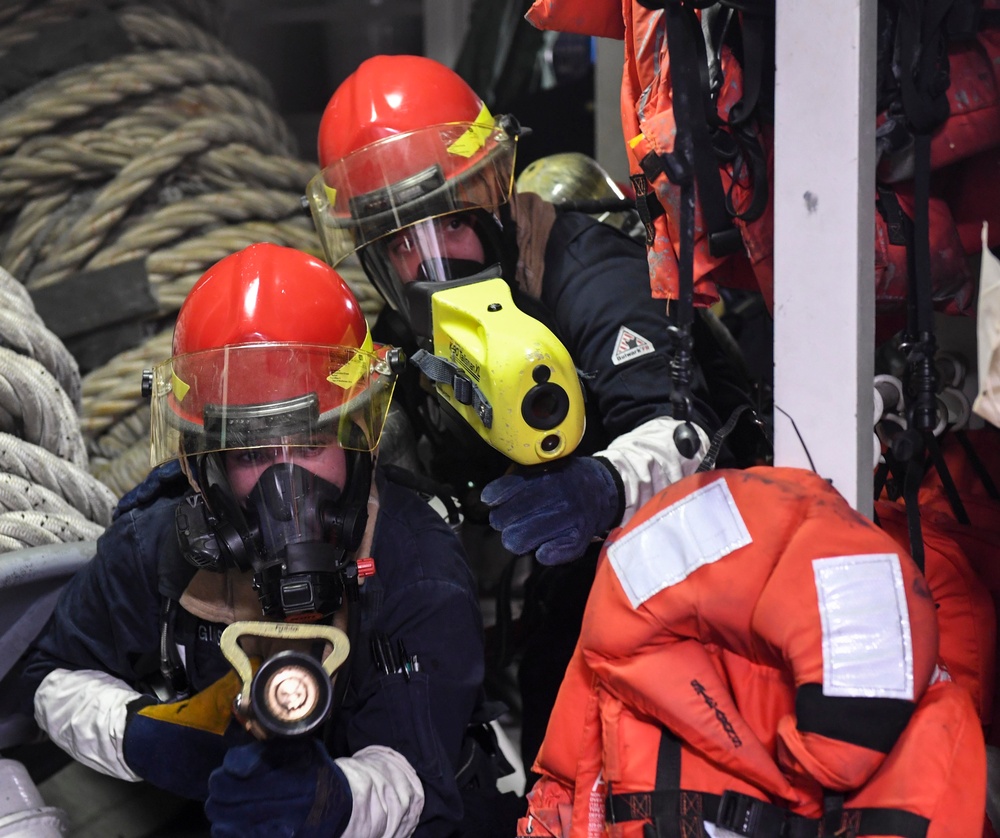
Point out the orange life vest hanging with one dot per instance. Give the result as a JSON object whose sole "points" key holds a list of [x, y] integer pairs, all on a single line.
{"points": [[965, 155], [630, 771], [786, 642], [965, 610], [975, 472]]}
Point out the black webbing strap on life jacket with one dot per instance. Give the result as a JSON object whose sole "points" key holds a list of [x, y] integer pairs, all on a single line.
{"points": [[715, 140], [699, 144], [681, 167], [647, 205], [674, 812], [936, 459], [693, 109], [923, 60]]}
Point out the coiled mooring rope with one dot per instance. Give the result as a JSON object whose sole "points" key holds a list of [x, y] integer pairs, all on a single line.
{"points": [[47, 494], [168, 154]]}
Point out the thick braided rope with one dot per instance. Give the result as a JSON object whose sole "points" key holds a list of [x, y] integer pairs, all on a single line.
{"points": [[46, 493], [175, 222], [19, 23], [22, 330], [20, 530], [125, 470], [18, 494], [33, 405], [20, 20], [114, 390], [43, 165], [75, 94], [85, 492], [89, 231]]}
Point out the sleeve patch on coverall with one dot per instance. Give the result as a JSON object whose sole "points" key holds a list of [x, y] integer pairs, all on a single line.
{"points": [[630, 344], [699, 529]]}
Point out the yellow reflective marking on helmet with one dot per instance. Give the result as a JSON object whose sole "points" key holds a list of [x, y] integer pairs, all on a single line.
{"points": [[331, 194], [354, 369], [635, 140], [179, 388], [475, 135]]}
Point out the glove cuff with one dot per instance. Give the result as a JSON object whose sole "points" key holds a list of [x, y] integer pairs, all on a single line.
{"points": [[334, 804], [137, 704], [619, 486]]}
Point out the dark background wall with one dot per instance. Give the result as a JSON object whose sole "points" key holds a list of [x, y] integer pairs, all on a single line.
{"points": [[307, 47]]}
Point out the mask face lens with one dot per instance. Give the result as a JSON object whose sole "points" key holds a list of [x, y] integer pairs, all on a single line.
{"points": [[246, 467], [435, 250], [296, 518]]}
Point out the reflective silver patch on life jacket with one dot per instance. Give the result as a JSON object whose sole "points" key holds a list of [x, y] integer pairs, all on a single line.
{"points": [[695, 531], [867, 645]]}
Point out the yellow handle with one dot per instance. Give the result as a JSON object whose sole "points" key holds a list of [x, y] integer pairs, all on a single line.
{"points": [[283, 631]]}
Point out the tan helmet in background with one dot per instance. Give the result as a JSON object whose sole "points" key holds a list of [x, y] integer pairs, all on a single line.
{"points": [[571, 178]]}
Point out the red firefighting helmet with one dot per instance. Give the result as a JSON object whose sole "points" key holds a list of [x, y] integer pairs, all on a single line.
{"points": [[269, 345], [402, 140]]}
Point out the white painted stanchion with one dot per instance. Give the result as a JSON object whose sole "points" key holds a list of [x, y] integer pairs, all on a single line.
{"points": [[23, 813], [824, 199]]}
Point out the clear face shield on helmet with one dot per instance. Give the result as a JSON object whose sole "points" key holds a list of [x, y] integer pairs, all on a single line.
{"points": [[279, 440], [411, 203]]}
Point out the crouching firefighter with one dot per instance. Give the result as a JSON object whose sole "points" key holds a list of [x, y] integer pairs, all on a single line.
{"points": [[264, 524], [758, 659]]}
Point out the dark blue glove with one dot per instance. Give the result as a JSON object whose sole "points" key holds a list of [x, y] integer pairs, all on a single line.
{"points": [[555, 510], [176, 746], [278, 789]]}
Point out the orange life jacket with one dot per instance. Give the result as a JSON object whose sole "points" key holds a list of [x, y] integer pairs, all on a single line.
{"points": [[979, 539], [965, 610], [965, 152], [786, 644]]}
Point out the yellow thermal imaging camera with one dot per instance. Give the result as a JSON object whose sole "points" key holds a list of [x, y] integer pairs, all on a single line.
{"points": [[501, 370]]}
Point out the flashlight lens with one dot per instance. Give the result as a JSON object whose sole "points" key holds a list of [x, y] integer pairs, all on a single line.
{"points": [[291, 694]]}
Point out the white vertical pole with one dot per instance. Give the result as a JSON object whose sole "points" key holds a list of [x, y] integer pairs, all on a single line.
{"points": [[824, 287]]}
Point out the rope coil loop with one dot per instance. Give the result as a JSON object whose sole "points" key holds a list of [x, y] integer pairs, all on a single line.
{"points": [[157, 149]]}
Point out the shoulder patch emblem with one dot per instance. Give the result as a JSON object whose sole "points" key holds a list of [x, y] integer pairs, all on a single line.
{"points": [[629, 345]]}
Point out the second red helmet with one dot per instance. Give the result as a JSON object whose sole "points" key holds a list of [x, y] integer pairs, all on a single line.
{"points": [[404, 139]]}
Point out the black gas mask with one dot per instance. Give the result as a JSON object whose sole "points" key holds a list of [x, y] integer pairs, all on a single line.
{"points": [[306, 538], [296, 531]]}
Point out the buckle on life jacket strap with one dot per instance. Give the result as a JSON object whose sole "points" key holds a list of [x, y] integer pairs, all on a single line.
{"points": [[754, 818], [723, 237], [647, 205], [724, 242], [747, 815]]}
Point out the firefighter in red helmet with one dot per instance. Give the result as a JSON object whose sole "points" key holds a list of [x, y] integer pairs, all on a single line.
{"points": [[417, 178], [264, 516]]}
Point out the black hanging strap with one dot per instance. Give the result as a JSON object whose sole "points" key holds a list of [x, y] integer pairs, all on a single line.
{"points": [[923, 61]]}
